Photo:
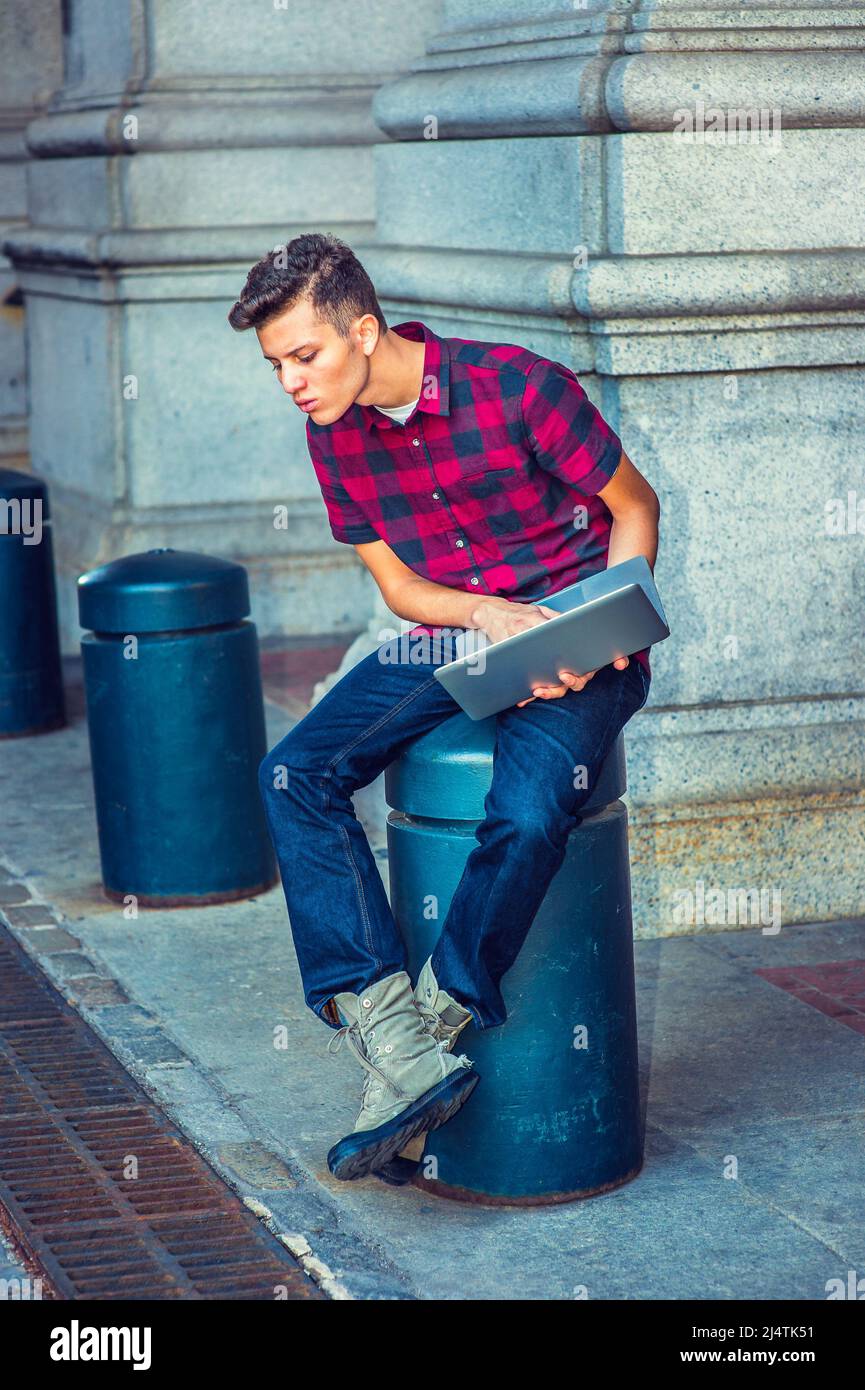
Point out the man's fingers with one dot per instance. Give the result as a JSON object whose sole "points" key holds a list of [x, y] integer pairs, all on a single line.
{"points": [[575, 681], [544, 692], [570, 680]]}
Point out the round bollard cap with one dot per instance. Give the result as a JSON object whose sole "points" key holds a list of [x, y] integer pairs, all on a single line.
{"points": [[14, 484], [162, 590]]}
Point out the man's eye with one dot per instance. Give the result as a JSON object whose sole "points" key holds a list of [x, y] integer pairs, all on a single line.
{"points": [[309, 358], [276, 366]]}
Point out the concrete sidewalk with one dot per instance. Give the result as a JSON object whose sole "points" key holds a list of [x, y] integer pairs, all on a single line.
{"points": [[767, 1068]]}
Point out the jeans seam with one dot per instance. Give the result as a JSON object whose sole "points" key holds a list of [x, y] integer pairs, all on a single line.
{"points": [[367, 934], [352, 864], [373, 728], [346, 842]]}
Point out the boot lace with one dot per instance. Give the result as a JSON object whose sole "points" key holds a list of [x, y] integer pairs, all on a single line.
{"points": [[350, 1033], [430, 1018], [431, 1022]]}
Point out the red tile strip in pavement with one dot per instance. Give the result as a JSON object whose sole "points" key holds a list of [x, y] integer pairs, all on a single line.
{"points": [[836, 988]]}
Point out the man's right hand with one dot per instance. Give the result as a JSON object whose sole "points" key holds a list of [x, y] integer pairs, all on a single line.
{"points": [[499, 618]]}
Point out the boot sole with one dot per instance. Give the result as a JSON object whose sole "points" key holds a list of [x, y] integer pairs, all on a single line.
{"points": [[359, 1154]]}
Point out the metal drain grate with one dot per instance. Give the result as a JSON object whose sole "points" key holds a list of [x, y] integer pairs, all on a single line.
{"points": [[74, 1126]]}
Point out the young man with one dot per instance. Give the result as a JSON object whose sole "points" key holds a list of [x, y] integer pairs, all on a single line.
{"points": [[472, 478]]}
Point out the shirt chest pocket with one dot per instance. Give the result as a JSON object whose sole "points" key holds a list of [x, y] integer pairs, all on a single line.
{"points": [[508, 495], [485, 476]]}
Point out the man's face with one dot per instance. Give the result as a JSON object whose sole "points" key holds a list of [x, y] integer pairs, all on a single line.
{"points": [[323, 373]]}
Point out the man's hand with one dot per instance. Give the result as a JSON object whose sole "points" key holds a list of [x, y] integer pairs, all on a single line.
{"points": [[570, 681], [499, 618]]}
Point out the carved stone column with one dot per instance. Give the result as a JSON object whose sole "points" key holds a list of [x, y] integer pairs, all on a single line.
{"points": [[185, 142], [541, 187], [30, 69]]}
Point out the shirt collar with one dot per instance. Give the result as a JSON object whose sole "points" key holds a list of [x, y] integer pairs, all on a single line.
{"points": [[435, 386]]}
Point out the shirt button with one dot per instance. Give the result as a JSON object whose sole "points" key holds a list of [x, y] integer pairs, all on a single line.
{"points": [[475, 581], [436, 496], [460, 544], [415, 442]]}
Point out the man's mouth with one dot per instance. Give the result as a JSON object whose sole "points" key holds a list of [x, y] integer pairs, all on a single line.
{"points": [[308, 404]]}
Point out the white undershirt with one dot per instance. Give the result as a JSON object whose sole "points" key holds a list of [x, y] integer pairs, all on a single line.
{"points": [[400, 413]]}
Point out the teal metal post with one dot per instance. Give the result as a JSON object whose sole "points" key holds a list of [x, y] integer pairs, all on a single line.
{"points": [[31, 684], [176, 721], [557, 1114]]}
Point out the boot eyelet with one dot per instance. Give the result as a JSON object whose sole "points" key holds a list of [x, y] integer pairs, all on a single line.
{"points": [[389, 1048], [367, 1003]]}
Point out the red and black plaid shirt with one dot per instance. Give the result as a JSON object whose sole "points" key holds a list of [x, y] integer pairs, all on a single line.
{"points": [[490, 486]]}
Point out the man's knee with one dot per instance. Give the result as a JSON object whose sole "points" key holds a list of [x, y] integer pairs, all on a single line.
{"points": [[535, 828], [287, 764]]}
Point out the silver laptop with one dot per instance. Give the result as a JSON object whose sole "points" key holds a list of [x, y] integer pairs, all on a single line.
{"points": [[613, 613]]}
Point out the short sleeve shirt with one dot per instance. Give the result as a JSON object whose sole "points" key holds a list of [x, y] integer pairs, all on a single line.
{"points": [[491, 485]]}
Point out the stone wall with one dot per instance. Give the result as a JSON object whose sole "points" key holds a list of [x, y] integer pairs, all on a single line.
{"points": [[185, 141], [666, 197], [31, 66]]}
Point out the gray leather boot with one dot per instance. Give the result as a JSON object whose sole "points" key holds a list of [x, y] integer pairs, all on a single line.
{"points": [[412, 1084], [444, 1019]]}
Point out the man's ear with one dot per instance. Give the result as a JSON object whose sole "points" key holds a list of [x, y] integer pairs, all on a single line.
{"points": [[369, 331]]}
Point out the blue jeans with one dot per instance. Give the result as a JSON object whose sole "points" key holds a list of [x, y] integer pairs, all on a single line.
{"points": [[344, 932]]}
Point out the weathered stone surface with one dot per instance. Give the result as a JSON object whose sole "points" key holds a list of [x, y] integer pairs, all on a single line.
{"points": [[174, 155]]}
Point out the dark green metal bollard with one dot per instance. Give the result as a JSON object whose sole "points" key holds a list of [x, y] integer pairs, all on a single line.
{"points": [[176, 721], [31, 683], [557, 1113]]}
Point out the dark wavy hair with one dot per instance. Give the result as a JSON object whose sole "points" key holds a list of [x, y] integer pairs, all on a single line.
{"points": [[316, 266]]}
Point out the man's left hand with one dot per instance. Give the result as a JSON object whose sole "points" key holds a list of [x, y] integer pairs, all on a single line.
{"points": [[570, 681]]}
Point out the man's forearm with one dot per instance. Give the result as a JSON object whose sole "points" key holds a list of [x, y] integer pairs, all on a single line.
{"points": [[633, 535], [423, 601]]}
